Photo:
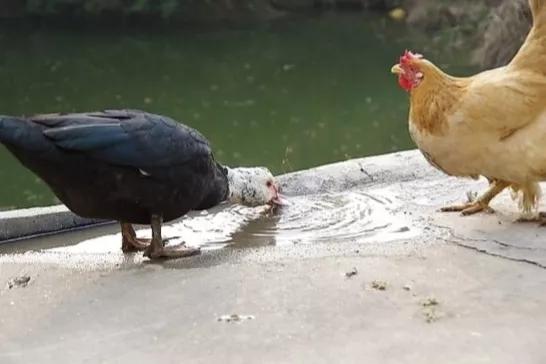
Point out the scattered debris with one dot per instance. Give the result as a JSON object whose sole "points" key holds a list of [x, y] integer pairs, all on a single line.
{"points": [[407, 287], [431, 315], [403, 229], [20, 281], [353, 272], [431, 301], [235, 318], [366, 173], [430, 312], [379, 285]]}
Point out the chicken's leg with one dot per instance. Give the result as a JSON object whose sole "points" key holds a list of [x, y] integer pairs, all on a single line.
{"points": [[129, 242], [482, 202], [157, 247]]}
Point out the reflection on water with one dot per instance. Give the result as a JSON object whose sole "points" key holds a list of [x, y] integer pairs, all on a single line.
{"points": [[351, 216]]}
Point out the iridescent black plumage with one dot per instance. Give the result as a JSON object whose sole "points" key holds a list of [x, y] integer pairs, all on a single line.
{"points": [[118, 164]]}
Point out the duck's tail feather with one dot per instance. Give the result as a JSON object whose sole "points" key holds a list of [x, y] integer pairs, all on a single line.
{"points": [[21, 133]]}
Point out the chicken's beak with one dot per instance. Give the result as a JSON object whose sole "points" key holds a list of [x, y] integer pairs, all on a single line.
{"points": [[396, 69]]}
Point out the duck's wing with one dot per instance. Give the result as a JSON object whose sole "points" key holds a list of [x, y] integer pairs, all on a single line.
{"points": [[126, 137]]}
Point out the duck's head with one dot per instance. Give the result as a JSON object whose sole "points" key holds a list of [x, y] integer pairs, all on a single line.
{"points": [[254, 186]]}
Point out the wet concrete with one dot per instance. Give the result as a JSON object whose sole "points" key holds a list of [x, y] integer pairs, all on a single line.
{"points": [[455, 289]]}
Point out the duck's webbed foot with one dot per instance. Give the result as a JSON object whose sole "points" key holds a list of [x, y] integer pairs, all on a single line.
{"points": [[157, 248], [130, 242], [481, 203], [172, 252]]}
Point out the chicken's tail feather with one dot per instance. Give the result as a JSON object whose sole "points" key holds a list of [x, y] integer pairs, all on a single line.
{"points": [[528, 197], [533, 50]]}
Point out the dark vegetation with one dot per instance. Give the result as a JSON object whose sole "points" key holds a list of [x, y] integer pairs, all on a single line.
{"points": [[494, 28], [178, 9]]}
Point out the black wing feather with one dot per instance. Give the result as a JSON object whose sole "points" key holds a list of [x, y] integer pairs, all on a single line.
{"points": [[123, 137]]}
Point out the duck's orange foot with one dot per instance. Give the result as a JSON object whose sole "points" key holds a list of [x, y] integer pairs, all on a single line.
{"points": [[130, 243], [170, 252]]}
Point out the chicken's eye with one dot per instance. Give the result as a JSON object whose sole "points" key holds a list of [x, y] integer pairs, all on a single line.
{"points": [[269, 184]]}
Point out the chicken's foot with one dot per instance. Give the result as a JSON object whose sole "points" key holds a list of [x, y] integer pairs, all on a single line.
{"points": [[481, 203], [157, 248], [130, 242], [540, 219]]}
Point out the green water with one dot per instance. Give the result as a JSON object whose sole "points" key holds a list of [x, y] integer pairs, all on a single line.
{"points": [[287, 95]]}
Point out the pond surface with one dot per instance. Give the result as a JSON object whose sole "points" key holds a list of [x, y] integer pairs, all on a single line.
{"points": [[287, 95]]}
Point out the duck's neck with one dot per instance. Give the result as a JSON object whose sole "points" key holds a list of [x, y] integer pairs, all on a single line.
{"points": [[237, 181]]}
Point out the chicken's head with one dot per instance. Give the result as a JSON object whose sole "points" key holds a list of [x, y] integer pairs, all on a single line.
{"points": [[409, 73]]}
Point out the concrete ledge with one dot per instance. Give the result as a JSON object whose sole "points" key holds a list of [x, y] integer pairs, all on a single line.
{"points": [[388, 168], [20, 224], [362, 172]]}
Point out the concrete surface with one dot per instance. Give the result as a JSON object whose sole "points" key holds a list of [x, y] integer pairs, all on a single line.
{"points": [[427, 288]]}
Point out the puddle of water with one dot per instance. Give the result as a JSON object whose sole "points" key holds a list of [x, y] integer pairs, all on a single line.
{"points": [[338, 217], [207, 230], [322, 218]]}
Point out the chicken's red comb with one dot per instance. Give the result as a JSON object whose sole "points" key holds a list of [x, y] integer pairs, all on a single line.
{"points": [[408, 56]]}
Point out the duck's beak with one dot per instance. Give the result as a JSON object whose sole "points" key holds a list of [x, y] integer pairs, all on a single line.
{"points": [[278, 199], [396, 69]]}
